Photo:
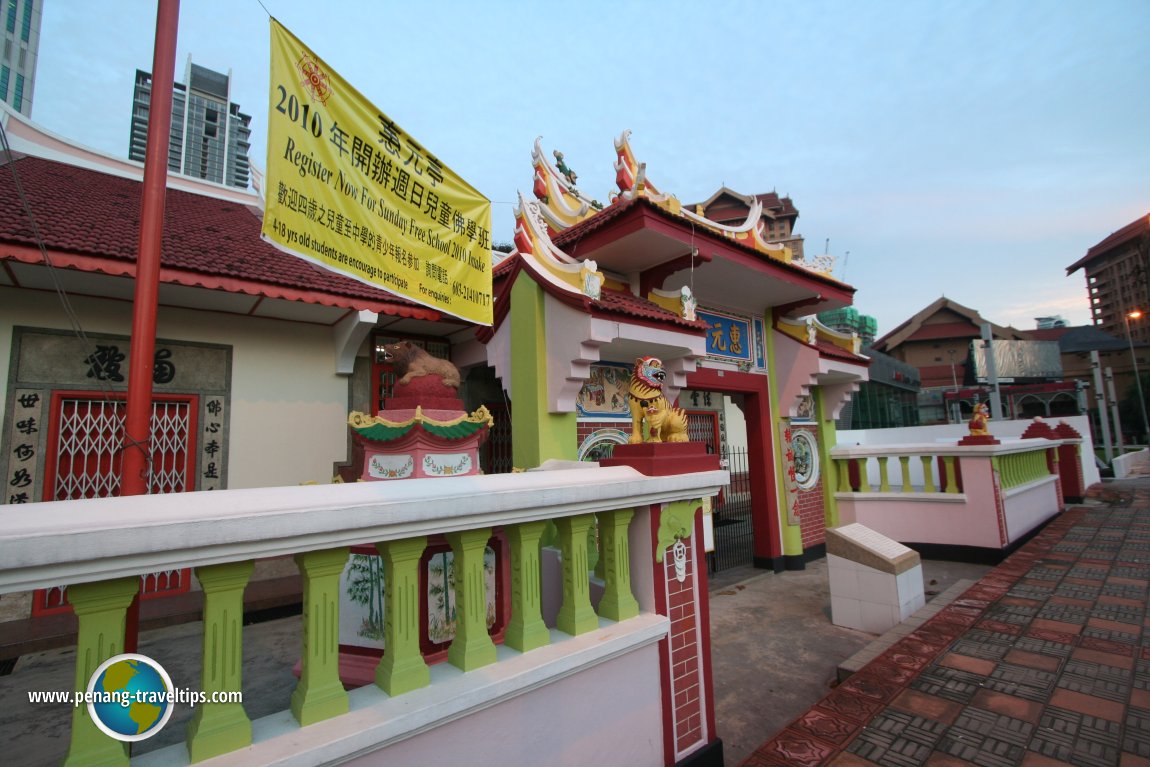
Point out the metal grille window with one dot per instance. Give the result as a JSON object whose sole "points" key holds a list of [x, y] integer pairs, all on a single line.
{"points": [[85, 459], [88, 435]]}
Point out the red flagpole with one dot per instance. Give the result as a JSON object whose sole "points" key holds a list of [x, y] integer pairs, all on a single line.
{"points": [[134, 479]]}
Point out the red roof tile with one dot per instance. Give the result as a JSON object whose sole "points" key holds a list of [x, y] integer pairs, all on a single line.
{"points": [[595, 222], [86, 212], [619, 302], [828, 349]]}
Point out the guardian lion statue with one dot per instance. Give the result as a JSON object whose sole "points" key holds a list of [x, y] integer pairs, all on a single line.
{"points": [[648, 403], [413, 362]]}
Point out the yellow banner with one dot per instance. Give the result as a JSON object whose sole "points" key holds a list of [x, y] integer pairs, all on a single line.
{"points": [[349, 190]]}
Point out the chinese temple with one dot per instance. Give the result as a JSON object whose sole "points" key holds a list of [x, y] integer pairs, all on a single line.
{"points": [[592, 286]]}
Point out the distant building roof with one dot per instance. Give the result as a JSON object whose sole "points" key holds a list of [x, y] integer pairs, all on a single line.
{"points": [[1081, 338], [916, 328], [1139, 227], [777, 207]]}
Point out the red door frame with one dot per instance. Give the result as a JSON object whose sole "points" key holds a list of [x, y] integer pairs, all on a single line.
{"points": [[768, 544], [42, 603]]}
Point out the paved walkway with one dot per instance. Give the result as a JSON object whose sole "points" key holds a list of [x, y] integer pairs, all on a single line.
{"points": [[1045, 661]]}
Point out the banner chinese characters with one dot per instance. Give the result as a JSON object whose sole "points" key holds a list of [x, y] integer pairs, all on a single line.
{"points": [[349, 190]]}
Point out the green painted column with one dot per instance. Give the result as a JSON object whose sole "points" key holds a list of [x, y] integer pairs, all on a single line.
{"points": [[864, 477], [217, 728], [526, 629], [101, 609], [828, 438], [883, 479], [576, 616], [319, 694], [595, 550], [402, 668], [842, 466], [536, 433], [904, 464], [472, 647], [951, 479], [618, 602], [927, 474]]}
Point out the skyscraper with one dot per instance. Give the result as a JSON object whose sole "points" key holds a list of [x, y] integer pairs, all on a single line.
{"points": [[21, 42], [209, 137]]}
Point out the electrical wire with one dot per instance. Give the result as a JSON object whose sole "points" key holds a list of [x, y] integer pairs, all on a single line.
{"points": [[61, 293]]}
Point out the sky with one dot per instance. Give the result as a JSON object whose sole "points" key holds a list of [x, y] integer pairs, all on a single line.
{"points": [[967, 149]]}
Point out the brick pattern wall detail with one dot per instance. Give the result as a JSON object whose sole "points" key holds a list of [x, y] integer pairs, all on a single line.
{"points": [[811, 508], [585, 429], [686, 672]]}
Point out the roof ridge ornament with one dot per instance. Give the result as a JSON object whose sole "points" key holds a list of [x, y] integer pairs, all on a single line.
{"points": [[563, 205]]}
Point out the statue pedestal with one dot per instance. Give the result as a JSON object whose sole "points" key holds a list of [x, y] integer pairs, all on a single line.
{"points": [[979, 439], [423, 431], [660, 459]]}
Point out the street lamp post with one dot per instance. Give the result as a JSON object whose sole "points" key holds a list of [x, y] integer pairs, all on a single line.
{"points": [[1133, 315], [954, 379]]}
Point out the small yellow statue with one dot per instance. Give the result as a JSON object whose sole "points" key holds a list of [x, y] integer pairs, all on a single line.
{"points": [[648, 403], [979, 420]]}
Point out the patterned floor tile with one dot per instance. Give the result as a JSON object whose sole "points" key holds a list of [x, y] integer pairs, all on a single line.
{"points": [[1142, 674], [1136, 734], [1020, 657], [1065, 613], [871, 684], [1048, 635], [1095, 679], [977, 649], [1091, 705], [1009, 705], [796, 748], [948, 683], [1078, 738], [826, 726], [897, 739], [1023, 682], [987, 739], [1119, 645], [852, 705]]}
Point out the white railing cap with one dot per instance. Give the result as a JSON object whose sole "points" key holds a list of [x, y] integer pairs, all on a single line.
{"points": [[44, 544], [947, 447]]}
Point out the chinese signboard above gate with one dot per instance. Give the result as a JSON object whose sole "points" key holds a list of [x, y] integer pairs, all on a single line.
{"points": [[349, 190], [728, 337]]}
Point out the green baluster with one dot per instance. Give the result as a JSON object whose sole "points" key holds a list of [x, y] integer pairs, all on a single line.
{"points": [[472, 647], [319, 694], [576, 616], [883, 481], [843, 466], [101, 609], [928, 474], [904, 461], [526, 630], [951, 479], [402, 668], [217, 728], [864, 480], [618, 603], [595, 549]]}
